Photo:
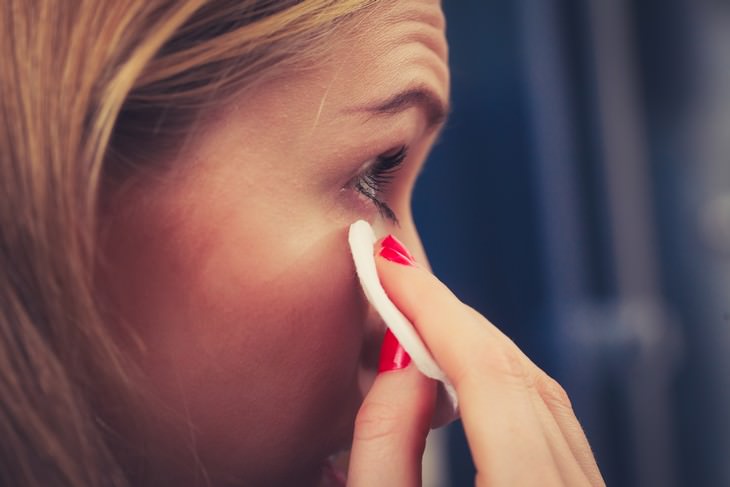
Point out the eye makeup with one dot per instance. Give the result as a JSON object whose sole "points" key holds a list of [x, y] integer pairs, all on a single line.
{"points": [[372, 182]]}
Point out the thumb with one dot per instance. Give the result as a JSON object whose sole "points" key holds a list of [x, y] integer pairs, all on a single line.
{"points": [[392, 424]]}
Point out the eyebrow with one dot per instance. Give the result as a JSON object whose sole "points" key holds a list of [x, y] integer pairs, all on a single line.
{"points": [[435, 109]]}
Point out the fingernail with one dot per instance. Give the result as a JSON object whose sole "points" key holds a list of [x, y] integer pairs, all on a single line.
{"points": [[392, 355], [393, 250]]}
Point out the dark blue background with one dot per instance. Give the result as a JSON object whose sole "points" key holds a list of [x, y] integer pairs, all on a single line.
{"points": [[487, 224]]}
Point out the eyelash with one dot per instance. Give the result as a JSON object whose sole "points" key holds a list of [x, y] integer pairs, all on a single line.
{"points": [[373, 181]]}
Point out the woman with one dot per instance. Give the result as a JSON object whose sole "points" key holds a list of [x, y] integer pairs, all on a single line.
{"points": [[179, 306]]}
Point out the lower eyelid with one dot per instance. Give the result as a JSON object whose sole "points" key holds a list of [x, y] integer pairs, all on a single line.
{"points": [[377, 201], [358, 203]]}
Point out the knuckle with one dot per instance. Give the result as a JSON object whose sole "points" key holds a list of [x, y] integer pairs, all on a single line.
{"points": [[476, 315], [553, 393], [501, 356], [376, 421], [507, 365], [514, 366]]}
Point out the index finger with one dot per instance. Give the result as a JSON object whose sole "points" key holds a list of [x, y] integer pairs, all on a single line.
{"points": [[455, 334], [490, 377]]}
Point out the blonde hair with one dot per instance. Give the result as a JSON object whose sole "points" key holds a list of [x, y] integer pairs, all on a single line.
{"points": [[87, 93]]}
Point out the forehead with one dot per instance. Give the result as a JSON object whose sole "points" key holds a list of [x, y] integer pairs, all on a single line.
{"points": [[395, 45], [395, 23]]}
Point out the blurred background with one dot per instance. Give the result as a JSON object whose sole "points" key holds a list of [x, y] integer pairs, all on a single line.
{"points": [[580, 198]]}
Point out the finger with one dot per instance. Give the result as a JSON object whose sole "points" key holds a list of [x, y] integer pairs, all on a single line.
{"points": [[493, 377], [454, 333], [500, 423], [558, 405], [391, 428], [505, 427]]}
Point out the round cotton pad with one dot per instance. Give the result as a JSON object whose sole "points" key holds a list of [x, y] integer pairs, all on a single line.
{"points": [[362, 239]]}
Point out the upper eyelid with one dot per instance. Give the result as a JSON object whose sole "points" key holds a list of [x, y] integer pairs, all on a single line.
{"points": [[370, 163], [378, 166]]}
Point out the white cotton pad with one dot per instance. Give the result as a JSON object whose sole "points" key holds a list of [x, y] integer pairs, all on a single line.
{"points": [[362, 239]]}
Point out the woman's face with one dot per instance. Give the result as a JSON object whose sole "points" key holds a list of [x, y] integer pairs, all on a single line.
{"points": [[233, 269]]}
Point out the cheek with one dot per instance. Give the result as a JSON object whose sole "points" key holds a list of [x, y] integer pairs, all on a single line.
{"points": [[255, 337], [288, 339]]}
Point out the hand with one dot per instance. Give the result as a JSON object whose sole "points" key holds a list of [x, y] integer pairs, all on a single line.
{"points": [[519, 422]]}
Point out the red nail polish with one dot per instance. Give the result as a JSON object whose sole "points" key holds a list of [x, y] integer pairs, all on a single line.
{"points": [[394, 256], [391, 249], [391, 242], [392, 354]]}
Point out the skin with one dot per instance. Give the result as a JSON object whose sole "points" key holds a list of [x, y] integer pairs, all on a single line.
{"points": [[519, 422], [229, 277], [231, 270]]}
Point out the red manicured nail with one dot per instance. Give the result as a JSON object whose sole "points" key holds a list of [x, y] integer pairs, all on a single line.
{"points": [[394, 251], [395, 244], [392, 354]]}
